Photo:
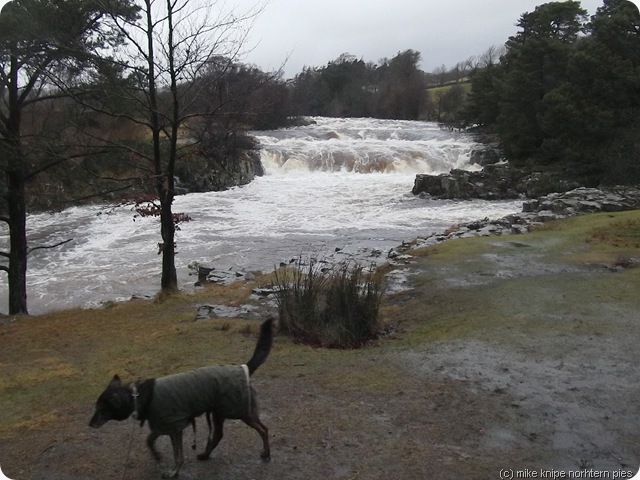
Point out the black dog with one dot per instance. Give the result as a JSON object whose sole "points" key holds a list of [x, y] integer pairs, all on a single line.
{"points": [[171, 403]]}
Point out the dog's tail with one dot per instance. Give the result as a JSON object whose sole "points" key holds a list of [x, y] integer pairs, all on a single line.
{"points": [[263, 347]]}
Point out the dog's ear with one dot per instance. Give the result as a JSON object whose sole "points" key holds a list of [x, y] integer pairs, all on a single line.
{"points": [[115, 381]]}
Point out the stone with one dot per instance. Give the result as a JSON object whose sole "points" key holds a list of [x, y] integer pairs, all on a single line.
{"points": [[494, 182], [205, 312], [497, 181], [553, 206]]}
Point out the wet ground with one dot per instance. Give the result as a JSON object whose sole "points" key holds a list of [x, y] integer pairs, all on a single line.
{"points": [[511, 353]]}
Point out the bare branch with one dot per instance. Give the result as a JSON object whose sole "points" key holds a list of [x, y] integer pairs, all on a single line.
{"points": [[43, 247]]}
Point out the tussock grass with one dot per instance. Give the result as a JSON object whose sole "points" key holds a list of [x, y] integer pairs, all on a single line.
{"points": [[334, 307]]}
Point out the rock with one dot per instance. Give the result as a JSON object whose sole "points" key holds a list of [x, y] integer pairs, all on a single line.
{"points": [[208, 274], [536, 184], [265, 291], [553, 206], [495, 181], [205, 312], [220, 173], [486, 156], [492, 183]]}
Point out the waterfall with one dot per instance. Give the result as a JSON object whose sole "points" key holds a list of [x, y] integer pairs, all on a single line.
{"points": [[335, 184], [365, 145]]}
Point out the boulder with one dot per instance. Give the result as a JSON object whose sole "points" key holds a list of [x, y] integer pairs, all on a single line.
{"points": [[486, 156], [493, 182], [205, 312], [207, 274]]}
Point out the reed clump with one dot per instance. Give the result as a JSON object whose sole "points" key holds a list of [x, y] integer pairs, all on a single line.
{"points": [[335, 306]]}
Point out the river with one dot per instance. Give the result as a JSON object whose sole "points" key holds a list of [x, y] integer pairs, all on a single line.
{"points": [[336, 184]]}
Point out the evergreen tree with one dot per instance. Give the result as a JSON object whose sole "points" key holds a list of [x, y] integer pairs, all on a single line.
{"points": [[535, 65], [567, 92], [607, 72]]}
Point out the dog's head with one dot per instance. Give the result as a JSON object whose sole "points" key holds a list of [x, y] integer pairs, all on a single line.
{"points": [[115, 403]]}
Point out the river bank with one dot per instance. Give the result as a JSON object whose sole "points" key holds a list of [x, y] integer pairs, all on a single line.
{"points": [[508, 352], [336, 184]]}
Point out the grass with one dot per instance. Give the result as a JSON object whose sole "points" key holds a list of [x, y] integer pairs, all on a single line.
{"points": [[439, 91], [334, 307], [52, 362], [60, 361], [487, 308], [41, 357], [622, 233]]}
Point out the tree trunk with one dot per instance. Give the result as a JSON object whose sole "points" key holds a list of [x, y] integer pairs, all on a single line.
{"points": [[18, 245], [16, 179], [169, 279]]}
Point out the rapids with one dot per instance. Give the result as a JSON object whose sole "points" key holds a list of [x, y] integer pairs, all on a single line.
{"points": [[336, 184]]}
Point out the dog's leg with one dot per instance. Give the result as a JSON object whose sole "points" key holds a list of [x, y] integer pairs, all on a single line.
{"points": [[178, 455], [151, 443], [254, 422], [214, 436], [208, 417]]}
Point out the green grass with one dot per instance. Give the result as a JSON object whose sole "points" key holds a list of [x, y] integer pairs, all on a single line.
{"points": [[437, 92], [527, 304]]}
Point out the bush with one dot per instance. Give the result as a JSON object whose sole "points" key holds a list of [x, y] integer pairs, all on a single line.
{"points": [[335, 307]]}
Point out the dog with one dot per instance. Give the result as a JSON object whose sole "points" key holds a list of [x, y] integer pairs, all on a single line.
{"points": [[170, 404]]}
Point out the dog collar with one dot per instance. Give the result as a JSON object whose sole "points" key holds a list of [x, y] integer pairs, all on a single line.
{"points": [[135, 395]]}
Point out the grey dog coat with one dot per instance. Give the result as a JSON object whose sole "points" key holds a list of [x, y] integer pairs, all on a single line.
{"points": [[224, 390]]}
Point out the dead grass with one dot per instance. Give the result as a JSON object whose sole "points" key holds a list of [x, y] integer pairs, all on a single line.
{"points": [[622, 233], [41, 357]]}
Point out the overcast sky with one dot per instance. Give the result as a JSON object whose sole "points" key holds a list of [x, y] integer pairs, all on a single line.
{"points": [[314, 32]]}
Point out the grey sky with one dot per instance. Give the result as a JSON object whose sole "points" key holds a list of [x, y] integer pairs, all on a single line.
{"points": [[314, 32]]}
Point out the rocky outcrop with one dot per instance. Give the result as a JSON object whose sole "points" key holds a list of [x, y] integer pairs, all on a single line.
{"points": [[216, 174], [554, 206], [584, 200], [494, 182]]}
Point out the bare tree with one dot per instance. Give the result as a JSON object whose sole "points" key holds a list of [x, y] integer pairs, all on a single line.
{"points": [[169, 48], [491, 56]]}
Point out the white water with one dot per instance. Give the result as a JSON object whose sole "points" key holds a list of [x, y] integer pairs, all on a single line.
{"points": [[311, 201]]}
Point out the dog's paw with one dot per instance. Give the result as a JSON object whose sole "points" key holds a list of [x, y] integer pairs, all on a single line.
{"points": [[170, 473], [203, 456], [265, 456]]}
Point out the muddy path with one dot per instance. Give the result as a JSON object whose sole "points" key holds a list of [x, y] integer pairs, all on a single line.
{"points": [[511, 353]]}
